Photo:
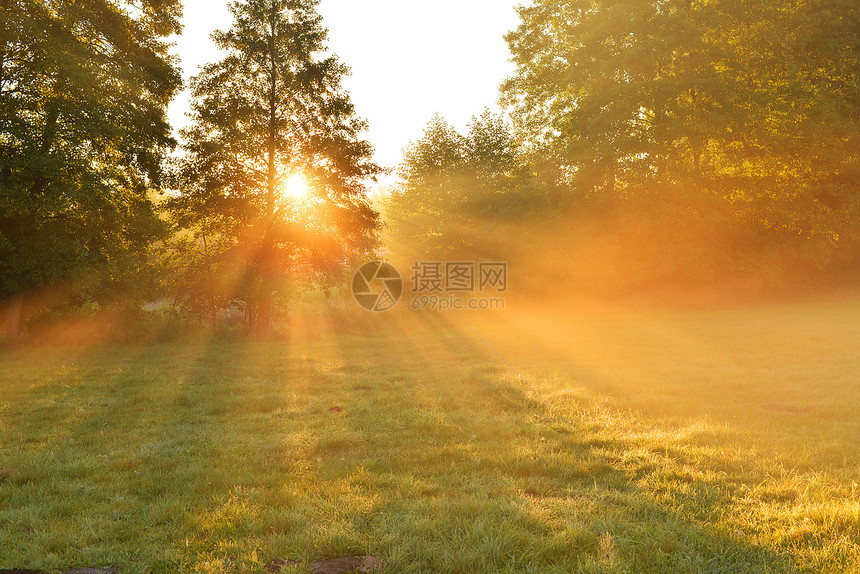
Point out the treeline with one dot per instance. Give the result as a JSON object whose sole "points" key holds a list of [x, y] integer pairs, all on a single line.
{"points": [[647, 143], [94, 212], [660, 142]]}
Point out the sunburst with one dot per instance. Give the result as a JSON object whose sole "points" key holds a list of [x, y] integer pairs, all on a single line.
{"points": [[296, 187]]}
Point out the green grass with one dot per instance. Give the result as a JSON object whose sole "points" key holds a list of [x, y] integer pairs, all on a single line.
{"points": [[602, 440]]}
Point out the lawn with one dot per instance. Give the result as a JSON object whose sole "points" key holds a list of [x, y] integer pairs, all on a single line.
{"points": [[594, 439]]}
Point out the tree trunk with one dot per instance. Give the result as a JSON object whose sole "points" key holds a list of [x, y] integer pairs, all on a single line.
{"points": [[251, 310], [699, 143], [697, 163], [7, 8], [49, 133], [662, 144], [13, 316], [610, 177], [264, 313]]}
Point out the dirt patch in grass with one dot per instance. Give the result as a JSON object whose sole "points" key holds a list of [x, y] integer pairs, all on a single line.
{"points": [[343, 565]]}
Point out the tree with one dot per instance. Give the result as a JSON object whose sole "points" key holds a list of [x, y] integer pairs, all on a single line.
{"points": [[452, 186], [270, 114], [83, 92], [614, 89], [795, 170], [754, 102]]}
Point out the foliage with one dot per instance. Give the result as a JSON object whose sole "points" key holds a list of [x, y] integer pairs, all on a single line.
{"points": [[83, 92], [273, 108], [452, 186], [755, 102]]}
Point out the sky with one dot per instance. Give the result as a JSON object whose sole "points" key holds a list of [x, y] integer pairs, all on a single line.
{"points": [[410, 59]]}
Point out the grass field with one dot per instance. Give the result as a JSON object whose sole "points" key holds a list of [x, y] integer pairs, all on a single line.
{"points": [[598, 439]]}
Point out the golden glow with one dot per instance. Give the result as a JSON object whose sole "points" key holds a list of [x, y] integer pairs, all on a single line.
{"points": [[296, 187]]}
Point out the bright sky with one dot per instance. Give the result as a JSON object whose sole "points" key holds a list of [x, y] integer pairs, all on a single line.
{"points": [[409, 59]]}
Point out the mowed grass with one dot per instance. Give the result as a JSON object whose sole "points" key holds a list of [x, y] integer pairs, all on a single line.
{"points": [[590, 440]]}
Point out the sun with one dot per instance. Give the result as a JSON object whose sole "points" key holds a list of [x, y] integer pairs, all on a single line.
{"points": [[296, 187]]}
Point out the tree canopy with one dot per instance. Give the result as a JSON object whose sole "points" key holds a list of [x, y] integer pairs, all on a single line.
{"points": [[731, 126], [755, 102], [83, 92], [451, 186]]}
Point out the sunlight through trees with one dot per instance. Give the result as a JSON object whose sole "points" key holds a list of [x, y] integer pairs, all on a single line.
{"points": [[271, 109]]}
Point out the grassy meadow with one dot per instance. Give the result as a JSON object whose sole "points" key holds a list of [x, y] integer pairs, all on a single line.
{"points": [[594, 439]]}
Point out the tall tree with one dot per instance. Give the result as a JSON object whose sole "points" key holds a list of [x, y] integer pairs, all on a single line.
{"points": [[83, 92], [271, 113]]}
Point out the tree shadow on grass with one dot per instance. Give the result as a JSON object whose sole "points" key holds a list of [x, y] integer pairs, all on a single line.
{"points": [[496, 482], [110, 455], [223, 457]]}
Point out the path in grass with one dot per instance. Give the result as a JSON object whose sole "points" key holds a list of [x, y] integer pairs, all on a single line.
{"points": [[599, 442]]}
